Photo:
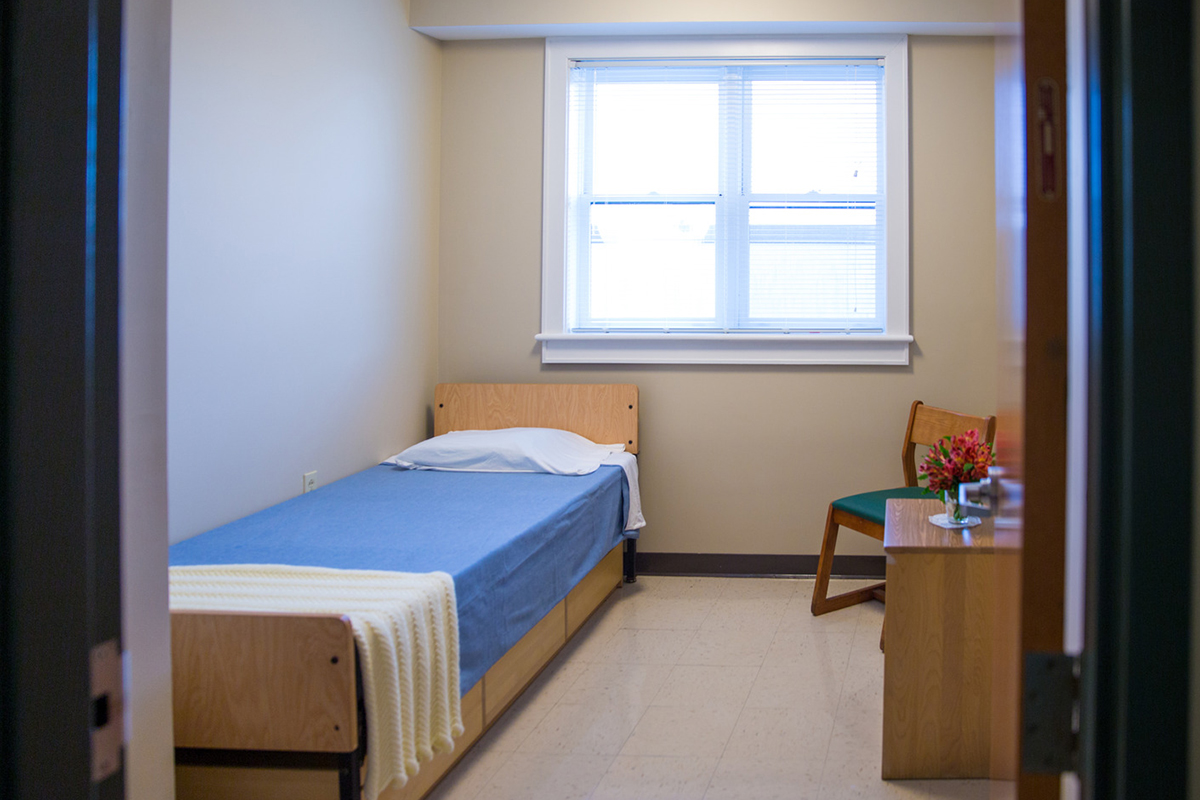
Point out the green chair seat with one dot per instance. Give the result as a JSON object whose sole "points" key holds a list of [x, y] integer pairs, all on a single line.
{"points": [[872, 506]]}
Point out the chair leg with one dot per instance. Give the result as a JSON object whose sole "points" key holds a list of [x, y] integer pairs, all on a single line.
{"points": [[825, 566], [882, 631], [821, 602]]}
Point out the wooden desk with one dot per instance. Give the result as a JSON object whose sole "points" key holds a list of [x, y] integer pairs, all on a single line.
{"points": [[937, 668]]}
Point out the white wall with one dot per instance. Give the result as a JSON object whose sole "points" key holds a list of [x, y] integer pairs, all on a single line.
{"points": [[150, 753], [733, 459], [303, 247]]}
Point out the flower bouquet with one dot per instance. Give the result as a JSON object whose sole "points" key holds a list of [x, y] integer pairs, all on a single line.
{"points": [[952, 460]]}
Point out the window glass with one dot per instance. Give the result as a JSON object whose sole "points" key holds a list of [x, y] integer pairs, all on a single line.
{"points": [[652, 263], [815, 136], [725, 197], [654, 138]]}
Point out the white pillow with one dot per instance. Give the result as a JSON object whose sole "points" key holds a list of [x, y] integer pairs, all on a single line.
{"points": [[508, 450]]}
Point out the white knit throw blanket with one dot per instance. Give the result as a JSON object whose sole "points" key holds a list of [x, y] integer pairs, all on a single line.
{"points": [[406, 627]]}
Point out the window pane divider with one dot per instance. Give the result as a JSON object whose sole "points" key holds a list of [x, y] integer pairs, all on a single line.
{"points": [[652, 199]]}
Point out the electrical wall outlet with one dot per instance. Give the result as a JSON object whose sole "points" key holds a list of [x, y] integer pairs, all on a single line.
{"points": [[310, 481]]}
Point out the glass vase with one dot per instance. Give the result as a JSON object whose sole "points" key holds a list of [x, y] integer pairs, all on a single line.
{"points": [[950, 498]]}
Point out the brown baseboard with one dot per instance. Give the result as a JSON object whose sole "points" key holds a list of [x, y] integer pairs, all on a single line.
{"points": [[754, 564]]}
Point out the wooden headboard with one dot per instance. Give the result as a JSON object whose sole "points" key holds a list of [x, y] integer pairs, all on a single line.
{"points": [[603, 412]]}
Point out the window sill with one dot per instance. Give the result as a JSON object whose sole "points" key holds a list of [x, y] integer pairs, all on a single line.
{"points": [[724, 348]]}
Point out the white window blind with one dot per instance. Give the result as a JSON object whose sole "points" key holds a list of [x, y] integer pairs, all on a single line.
{"points": [[725, 196]]}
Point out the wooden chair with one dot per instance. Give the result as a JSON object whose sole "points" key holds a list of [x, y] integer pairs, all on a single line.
{"points": [[864, 512]]}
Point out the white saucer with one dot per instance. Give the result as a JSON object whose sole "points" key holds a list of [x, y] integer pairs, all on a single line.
{"points": [[942, 521]]}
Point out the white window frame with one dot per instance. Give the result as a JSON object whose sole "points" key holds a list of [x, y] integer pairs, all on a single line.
{"points": [[559, 346]]}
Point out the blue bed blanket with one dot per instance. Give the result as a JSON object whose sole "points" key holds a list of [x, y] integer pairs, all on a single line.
{"points": [[515, 543]]}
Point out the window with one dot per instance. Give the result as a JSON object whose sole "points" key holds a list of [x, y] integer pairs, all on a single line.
{"points": [[717, 201]]}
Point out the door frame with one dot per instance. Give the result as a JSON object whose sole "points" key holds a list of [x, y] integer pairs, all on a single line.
{"points": [[60, 185], [1032, 292], [1135, 696]]}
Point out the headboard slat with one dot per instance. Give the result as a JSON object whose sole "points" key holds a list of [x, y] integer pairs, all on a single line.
{"points": [[603, 412]]}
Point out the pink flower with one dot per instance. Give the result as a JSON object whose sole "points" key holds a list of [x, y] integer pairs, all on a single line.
{"points": [[953, 460]]}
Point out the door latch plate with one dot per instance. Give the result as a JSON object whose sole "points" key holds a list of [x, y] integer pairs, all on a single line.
{"points": [[107, 718]]}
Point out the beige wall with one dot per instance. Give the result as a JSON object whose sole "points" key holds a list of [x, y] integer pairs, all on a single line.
{"points": [[435, 13], [302, 295], [734, 459]]}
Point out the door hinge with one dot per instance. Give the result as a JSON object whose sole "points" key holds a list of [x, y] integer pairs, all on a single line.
{"points": [[1050, 713], [107, 717]]}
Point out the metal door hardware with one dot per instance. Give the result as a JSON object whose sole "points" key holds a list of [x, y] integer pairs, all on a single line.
{"points": [[1050, 713], [107, 714], [984, 497]]}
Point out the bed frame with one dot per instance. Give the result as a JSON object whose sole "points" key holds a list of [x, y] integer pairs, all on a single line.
{"points": [[269, 706]]}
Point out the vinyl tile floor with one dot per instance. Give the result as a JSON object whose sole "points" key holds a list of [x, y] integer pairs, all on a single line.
{"points": [[701, 689]]}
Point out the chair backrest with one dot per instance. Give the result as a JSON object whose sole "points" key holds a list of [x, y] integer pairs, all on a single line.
{"points": [[927, 424]]}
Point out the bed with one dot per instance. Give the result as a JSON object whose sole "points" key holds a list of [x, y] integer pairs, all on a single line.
{"points": [[269, 705]]}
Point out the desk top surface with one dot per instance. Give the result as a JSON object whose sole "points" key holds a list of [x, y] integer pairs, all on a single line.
{"points": [[907, 529]]}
